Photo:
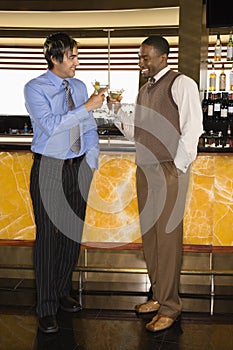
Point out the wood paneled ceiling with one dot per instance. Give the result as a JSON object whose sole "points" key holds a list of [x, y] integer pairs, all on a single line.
{"points": [[101, 15], [82, 5]]}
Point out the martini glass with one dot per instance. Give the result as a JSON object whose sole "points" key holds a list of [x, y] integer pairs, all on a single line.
{"points": [[114, 94], [99, 87]]}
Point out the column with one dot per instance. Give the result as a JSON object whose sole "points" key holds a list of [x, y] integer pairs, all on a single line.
{"points": [[193, 41]]}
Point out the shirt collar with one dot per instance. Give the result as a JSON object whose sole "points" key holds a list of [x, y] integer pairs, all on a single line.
{"points": [[161, 73], [56, 80]]}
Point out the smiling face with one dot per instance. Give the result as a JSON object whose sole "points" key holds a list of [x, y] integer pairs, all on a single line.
{"points": [[66, 68], [151, 60]]}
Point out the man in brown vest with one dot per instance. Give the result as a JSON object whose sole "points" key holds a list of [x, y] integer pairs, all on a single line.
{"points": [[166, 126]]}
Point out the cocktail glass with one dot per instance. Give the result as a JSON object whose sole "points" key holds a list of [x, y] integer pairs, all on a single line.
{"points": [[99, 87], [114, 94]]}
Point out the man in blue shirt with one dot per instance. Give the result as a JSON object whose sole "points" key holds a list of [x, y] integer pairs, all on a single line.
{"points": [[60, 177]]}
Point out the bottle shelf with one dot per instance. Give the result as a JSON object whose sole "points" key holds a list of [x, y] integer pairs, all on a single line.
{"points": [[220, 91], [219, 65], [215, 143], [220, 62]]}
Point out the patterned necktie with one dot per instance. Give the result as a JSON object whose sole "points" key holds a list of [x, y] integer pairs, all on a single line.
{"points": [[75, 131]]}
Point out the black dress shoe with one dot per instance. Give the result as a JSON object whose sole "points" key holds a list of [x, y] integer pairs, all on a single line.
{"points": [[69, 304], [48, 324]]}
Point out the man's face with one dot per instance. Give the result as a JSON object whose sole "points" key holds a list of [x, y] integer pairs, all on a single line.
{"points": [[151, 61], [66, 69]]}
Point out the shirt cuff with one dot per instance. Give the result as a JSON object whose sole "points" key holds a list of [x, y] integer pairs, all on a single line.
{"points": [[183, 159], [92, 158]]}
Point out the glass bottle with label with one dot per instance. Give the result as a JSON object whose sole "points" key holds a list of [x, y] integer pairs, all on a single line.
{"points": [[222, 80], [231, 79], [218, 49], [210, 113], [204, 105], [212, 79], [230, 48], [223, 115], [217, 111], [230, 112]]}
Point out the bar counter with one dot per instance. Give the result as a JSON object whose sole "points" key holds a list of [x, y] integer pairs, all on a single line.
{"points": [[112, 213]]}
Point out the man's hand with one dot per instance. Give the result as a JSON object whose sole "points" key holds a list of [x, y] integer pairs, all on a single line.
{"points": [[95, 100]]}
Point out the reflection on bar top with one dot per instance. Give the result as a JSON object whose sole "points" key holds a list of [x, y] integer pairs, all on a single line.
{"points": [[26, 140]]}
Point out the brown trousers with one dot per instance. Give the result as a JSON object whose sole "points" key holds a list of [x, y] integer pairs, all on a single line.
{"points": [[161, 199]]}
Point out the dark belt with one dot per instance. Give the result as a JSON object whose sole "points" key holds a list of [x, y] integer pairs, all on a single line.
{"points": [[69, 161]]}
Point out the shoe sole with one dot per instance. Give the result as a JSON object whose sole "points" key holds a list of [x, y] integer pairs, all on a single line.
{"points": [[54, 330], [178, 319], [160, 330], [145, 312], [70, 310]]}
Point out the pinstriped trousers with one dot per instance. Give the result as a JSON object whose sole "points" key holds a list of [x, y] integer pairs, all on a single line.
{"points": [[59, 193], [161, 201]]}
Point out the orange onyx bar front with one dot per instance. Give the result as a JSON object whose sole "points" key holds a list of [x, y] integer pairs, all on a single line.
{"points": [[112, 213]]}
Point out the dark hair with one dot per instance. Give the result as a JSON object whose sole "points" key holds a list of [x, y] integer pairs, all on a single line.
{"points": [[158, 42], [56, 45]]}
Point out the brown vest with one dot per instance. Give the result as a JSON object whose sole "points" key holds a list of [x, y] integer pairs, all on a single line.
{"points": [[157, 127]]}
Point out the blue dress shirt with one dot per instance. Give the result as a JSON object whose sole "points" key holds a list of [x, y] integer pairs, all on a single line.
{"points": [[51, 120]]}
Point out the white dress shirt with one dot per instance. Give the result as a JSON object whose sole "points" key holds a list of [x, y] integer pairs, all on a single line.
{"points": [[186, 96]]}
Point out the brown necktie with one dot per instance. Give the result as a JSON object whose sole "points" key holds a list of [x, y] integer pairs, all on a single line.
{"points": [[75, 131]]}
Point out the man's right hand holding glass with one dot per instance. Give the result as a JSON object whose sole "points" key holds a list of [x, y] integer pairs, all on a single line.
{"points": [[95, 100]]}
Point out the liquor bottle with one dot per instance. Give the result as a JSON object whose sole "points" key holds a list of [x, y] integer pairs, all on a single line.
{"points": [[204, 105], [25, 128], [222, 80], [210, 111], [217, 111], [218, 49], [231, 79], [212, 79], [223, 127], [209, 122], [230, 112], [230, 48]]}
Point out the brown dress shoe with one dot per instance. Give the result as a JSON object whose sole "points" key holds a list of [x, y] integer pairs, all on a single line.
{"points": [[160, 323], [149, 306]]}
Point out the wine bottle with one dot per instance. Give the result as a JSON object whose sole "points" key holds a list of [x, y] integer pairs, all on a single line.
{"points": [[230, 48], [209, 122], [222, 80], [204, 104], [217, 107], [230, 112], [231, 79], [223, 115], [210, 111], [212, 79], [218, 49]]}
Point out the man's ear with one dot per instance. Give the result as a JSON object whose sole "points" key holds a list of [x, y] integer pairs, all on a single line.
{"points": [[54, 60]]}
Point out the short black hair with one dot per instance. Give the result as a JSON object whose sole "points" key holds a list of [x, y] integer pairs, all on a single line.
{"points": [[56, 45], [158, 42]]}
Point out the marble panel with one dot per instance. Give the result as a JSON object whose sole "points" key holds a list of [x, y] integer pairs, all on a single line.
{"points": [[16, 214], [112, 212]]}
